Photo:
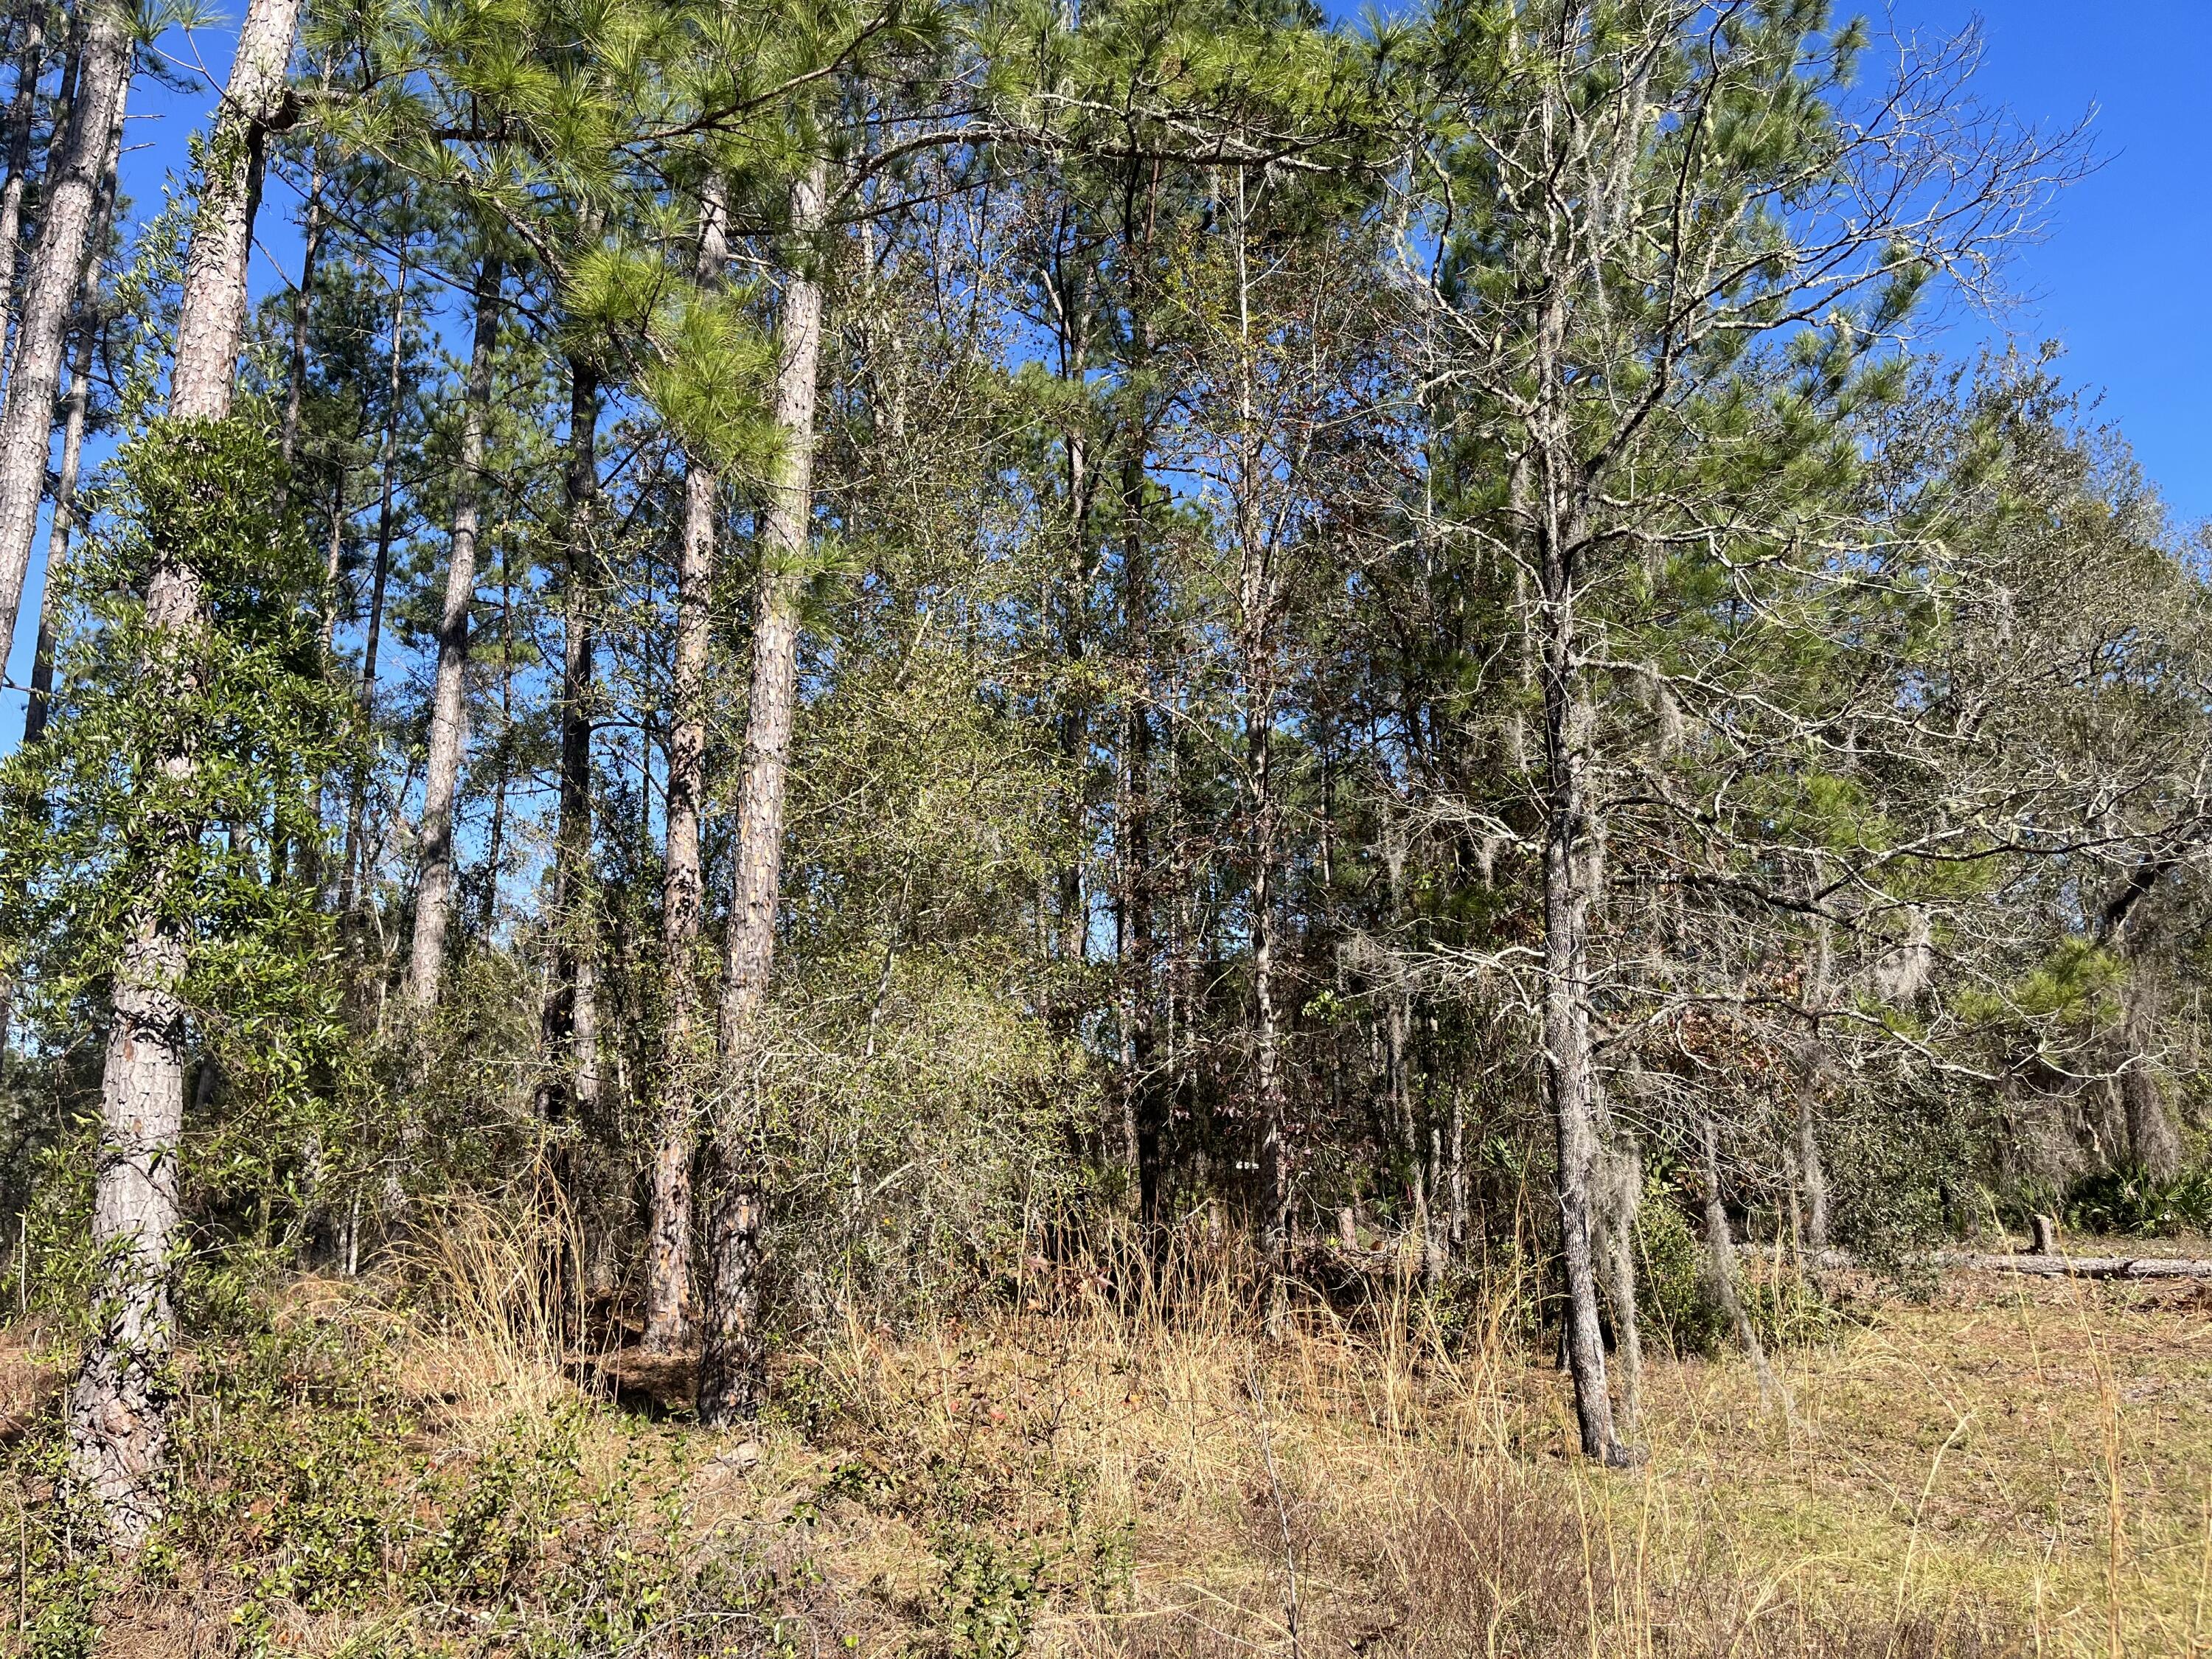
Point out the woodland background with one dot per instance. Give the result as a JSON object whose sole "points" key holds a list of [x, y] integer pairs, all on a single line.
{"points": [[846, 666]]}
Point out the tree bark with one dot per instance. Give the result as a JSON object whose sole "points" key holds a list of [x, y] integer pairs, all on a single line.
{"points": [[683, 889], [448, 710], [1397, 1063], [1070, 296], [571, 1017], [734, 1362], [1617, 1175], [1813, 1075], [30, 67], [50, 293], [91, 320], [1568, 1070], [1720, 1251], [214, 299], [119, 1402], [295, 381], [1267, 1066], [356, 878], [495, 833], [1147, 1104], [1259, 592]]}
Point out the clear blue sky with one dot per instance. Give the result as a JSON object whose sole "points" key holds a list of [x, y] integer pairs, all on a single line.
{"points": [[2123, 280]]}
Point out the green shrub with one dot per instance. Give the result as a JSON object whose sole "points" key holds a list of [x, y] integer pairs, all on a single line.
{"points": [[2131, 1201]]}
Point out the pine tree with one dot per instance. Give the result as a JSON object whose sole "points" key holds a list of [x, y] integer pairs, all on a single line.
{"points": [[118, 1403]]}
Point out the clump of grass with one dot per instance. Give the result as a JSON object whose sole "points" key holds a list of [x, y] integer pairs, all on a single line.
{"points": [[1111, 1462]]}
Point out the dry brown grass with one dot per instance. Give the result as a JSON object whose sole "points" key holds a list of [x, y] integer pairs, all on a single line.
{"points": [[2013, 1469]]}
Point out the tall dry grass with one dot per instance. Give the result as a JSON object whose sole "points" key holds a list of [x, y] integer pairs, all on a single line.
{"points": [[1109, 1460]]}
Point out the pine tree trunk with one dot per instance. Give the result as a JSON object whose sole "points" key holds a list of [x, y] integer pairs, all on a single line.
{"points": [[91, 320], [1397, 1028], [30, 67], [255, 104], [1455, 1169], [1569, 1073], [668, 1271], [1148, 1107], [334, 556], [734, 1362], [1267, 1063], [1618, 1182], [358, 878], [572, 822], [1258, 591], [570, 1021], [1073, 718], [1721, 1267], [495, 833], [117, 1408], [50, 293], [295, 381], [448, 710]]}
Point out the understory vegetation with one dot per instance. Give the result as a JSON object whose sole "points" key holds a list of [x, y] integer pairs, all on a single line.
{"points": [[388, 1467], [961, 826]]}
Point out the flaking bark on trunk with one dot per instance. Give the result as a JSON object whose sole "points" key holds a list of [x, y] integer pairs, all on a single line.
{"points": [[49, 292], [734, 1361], [91, 320], [668, 1268], [30, 67], [448, 710], [119, 1402], [1570, 1077], [1618, 1182]]}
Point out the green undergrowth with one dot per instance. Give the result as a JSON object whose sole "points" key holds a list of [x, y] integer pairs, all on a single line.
{"points": [[314, 1494]]}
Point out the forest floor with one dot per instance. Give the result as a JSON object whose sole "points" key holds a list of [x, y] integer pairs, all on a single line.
{"points": [[2010, 1466]]}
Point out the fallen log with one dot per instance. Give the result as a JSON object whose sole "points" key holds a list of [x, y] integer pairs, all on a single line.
{"points": [[2080, 1266], [2037, 1263]]}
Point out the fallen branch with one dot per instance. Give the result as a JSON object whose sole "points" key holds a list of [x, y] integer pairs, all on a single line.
{"points": [[2041, 1266], [2080, 1266]]}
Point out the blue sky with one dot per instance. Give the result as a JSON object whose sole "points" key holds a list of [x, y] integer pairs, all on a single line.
{"points": [[2123, 278]]}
